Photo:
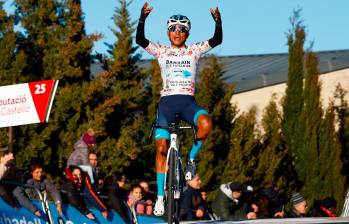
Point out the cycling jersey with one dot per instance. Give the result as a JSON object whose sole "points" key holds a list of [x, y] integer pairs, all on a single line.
{"points": [[178, 66]]}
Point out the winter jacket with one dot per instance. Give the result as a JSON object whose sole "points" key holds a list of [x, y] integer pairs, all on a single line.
{"points": [[75, 195], [80, 154], [226, 207], [190, 202], [45, 184], [117, 201], [293, 214]]}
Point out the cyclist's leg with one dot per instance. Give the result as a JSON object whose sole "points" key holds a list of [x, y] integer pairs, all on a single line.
{"points": [[198, 116], [203, 122], [162, 137], [160, 160]]}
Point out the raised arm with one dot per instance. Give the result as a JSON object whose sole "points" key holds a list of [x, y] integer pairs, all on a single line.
{"points": [[140, 37], [218, 33]]}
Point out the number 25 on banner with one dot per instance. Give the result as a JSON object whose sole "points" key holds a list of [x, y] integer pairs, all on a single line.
{"points": [[41, 93], [40, 88]]}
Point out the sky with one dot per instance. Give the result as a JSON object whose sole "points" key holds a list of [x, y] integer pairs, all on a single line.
{"points": [[249, 26]]}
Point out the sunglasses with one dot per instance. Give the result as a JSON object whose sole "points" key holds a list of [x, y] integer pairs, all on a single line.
{"points": [[179, 28]]}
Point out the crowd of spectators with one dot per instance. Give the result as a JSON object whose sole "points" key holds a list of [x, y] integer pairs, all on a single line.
{"points": [[83, 186]]}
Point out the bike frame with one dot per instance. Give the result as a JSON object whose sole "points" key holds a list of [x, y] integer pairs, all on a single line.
{"points": [[174, 175]]}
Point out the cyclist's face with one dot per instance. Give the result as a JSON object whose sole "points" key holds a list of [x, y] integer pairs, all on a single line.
{"points": [[178, 37]]}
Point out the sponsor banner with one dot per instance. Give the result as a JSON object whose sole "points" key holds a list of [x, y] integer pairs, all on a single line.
{"points": [[71, 215], [26, 103]]}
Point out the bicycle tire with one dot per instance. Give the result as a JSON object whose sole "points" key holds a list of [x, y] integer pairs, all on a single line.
{"points": [[171, 187]]}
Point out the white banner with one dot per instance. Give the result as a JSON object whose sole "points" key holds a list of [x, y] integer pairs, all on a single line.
{"points": [[26, 103]]}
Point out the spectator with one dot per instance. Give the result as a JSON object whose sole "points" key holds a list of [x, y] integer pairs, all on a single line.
{"points": [[117, 196], [227, 205], [6, 157], [324, 208], [299, 207], [193, 206], [76, 186], [269, 203], [248, 198], [79, 156], [98, 184], [275, 202], [263, 203], [39, 182], [146, 193], [135, 201]]}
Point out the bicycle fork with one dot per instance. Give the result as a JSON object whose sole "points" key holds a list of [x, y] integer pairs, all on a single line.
{"points": [[176, 188]]}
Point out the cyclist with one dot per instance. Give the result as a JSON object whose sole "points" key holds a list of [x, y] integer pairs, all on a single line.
{"points": [[178, 64]]}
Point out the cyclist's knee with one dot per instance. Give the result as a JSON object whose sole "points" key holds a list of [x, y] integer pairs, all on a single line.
{"points": [[161, 147], [204, 123]]}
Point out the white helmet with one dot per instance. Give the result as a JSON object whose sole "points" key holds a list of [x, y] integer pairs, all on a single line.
{"points": [[179, 20]]}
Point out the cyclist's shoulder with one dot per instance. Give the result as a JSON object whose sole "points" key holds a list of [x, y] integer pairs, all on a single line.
{"points": [[158, 46], [199, 46]]}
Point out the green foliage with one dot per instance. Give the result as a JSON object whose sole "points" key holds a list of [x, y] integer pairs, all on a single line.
{"points": [[214, 95], [342, 112], [242, 159], [119, 117], [57, 48], [293, 102], [329, 180], [12, 60], [272, 152]]}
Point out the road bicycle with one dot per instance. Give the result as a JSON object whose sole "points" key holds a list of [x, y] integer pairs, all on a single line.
{"points": [[175, 176]]}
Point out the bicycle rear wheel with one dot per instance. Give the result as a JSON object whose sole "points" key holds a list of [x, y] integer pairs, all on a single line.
{"points": [[171, 187]]}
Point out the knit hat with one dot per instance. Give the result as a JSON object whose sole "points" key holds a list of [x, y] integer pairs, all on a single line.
{"points": [[297, 198], [236, 186], [89, 138]]}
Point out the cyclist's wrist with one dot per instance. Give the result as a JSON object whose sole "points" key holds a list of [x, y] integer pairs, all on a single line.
{"points": [[218, 22], [143, 16]]}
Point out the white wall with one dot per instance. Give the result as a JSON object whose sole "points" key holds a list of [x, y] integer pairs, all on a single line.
{"points": [[261, 97]]}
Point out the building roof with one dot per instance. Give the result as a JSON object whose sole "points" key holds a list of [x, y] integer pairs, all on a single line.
{"points": [[250, 72], [256, 71]]}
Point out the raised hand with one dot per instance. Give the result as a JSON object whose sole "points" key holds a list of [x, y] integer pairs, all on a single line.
{"points": [[216, 15], [145, 11]]}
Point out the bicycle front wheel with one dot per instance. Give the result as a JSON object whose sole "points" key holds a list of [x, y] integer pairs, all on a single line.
{"points": [[171, 187]]}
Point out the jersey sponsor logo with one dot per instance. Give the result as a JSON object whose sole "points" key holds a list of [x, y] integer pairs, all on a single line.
{"points": [[184, 63]]}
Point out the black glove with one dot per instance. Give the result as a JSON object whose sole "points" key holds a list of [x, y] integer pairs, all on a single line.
{"points": [[216, 15]]}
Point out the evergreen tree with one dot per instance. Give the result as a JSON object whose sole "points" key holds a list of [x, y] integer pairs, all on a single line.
{"points": [[12, 60], [342, 112], [292, 125], [241, 161], [38, 19], [120, 115], [214, 95], [309, 151], [272, 152], [56, 42], [312, 114], [329, 179]]}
